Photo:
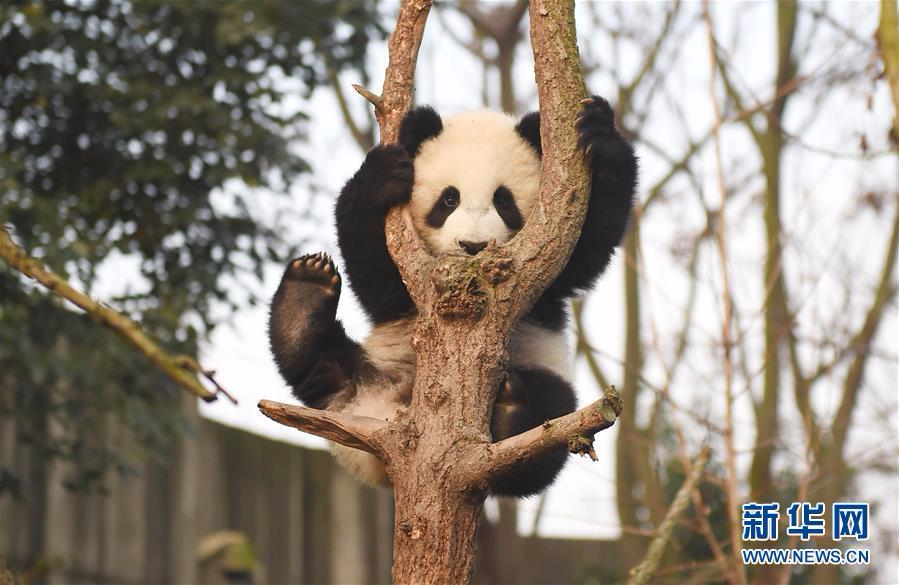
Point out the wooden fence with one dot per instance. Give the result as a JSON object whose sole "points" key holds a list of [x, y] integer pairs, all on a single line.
{"points": [[307, 520]]}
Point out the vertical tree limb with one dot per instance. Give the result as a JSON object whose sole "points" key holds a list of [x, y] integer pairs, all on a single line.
{"points": [[888, 42], [777, 318], [731, 480]]}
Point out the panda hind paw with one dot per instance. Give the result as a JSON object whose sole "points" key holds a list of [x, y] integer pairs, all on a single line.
{"points": [[317, 269]]}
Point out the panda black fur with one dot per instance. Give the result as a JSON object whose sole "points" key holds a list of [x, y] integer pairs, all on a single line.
{"points": [[469, 179]]}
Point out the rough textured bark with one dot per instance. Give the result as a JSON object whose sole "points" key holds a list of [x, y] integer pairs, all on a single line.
{"points": [[438, 453]]}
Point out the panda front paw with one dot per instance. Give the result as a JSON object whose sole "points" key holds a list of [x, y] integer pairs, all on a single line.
{"points": [[316, 269], [596, 132], [389, 170]]}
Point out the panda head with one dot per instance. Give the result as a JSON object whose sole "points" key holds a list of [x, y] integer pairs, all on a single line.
{"points": [[477, 176]]}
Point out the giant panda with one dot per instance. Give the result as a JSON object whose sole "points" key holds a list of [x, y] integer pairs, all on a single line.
{"points": [[468, 179]]}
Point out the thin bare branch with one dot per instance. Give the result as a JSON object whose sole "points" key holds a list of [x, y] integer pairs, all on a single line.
{"points": [[500, 23], [362, 136], [702, 511], [626, 93], [583, 347], [642, 573], [373, 98], [181, 369], [575, 430], [861, 341]]}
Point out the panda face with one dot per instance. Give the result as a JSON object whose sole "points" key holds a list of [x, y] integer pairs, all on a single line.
{"points": [[476, 181]]}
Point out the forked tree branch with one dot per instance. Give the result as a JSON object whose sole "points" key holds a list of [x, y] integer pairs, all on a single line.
{"points": [[520, 270], [180, 368], [438, 452]]}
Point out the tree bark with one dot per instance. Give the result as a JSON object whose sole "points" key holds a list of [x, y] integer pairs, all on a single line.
{"points": [[438, 453]]}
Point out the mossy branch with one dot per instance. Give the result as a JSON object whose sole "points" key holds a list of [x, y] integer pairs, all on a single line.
{"points": [[184, 370], [643, 573]]}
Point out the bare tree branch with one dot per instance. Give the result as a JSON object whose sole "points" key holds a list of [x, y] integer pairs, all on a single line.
{"points": [[500, 23], [861, 341], [181, 369], [373, 98], [583, 347], [362, 136], [626, 93], [726, 338], [888, 42], [353, 431], [574, 430], [642, 573]]}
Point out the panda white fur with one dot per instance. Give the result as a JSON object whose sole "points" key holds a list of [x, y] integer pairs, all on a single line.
{"points": [[469, 179]]}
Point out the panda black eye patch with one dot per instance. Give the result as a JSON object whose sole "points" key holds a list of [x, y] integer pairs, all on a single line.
{"points": [[504, 202], [445, 205]]}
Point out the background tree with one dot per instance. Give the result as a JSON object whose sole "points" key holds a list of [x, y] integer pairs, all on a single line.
{"points": [[798, 364], [138, 137]]}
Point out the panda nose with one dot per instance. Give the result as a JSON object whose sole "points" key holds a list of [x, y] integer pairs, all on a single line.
{"points": [[472, 248]]}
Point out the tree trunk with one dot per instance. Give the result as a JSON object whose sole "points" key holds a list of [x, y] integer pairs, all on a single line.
{"points": [[434, 541], [438, 453]]}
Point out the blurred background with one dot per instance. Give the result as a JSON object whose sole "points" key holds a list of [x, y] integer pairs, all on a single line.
{"points": [[168, 158]]}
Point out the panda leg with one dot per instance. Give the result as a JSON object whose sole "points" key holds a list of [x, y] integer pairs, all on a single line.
{"points": [[529, 397], [310, 346]]}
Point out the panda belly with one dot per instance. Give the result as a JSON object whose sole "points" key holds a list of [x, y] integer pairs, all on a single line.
{"points": [[389, 349]]}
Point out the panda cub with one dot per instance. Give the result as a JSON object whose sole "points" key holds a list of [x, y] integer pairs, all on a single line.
{"points": [[468, 179]]}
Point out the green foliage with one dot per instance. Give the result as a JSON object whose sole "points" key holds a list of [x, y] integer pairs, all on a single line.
{"points": [[140, 129]]}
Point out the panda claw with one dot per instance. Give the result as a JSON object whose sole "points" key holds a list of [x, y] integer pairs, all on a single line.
{"points": [[315, 268], [587, 101]]}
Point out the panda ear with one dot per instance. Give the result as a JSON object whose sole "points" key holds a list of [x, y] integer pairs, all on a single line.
{"points": [[529, 129], [419, 124]]}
